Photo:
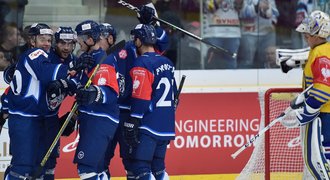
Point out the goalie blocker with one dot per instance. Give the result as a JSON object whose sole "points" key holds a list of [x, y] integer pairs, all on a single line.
{"points": [[288, 59]]}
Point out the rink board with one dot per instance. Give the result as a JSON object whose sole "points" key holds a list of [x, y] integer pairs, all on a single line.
{"points": [[200, 151]]}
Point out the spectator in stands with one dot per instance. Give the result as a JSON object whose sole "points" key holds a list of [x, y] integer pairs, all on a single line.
{"points": [[166, 12], [16, 12], [25, 38], [10, 37], [4, 10], [4, 63], [222, 28], [271, 57], [190, 49], [286, 22], [258, 32]]}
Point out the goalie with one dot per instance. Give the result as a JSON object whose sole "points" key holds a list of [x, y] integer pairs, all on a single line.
{"points": [[312, 111]]}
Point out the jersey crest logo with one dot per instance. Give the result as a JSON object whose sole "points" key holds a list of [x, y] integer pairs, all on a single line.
{"points": [[325, 73], [101, 81], [35, 54], [122, 54], [325, 69], [136, 85]]}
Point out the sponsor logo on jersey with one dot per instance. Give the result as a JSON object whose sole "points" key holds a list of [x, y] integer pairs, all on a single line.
{"points": [[80, 155], [122, 54], [35, 54]]}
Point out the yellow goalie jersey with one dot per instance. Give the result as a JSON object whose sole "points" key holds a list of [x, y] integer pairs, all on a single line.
{"points": [[317, 72]]}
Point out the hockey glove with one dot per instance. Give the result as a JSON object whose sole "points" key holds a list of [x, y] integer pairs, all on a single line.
{"points": [[298, 102], [306, 113], [8, 73], [57, 90], [146, 14], [71, 124], [131, 131], [84, 61], [284, 66], [90, 95]]}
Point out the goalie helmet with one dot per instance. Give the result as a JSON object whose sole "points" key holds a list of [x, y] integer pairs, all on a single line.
{"points": [[65, 34], [106, 29], [90, 28], [146, 33], [317, 24], [40, 29]]}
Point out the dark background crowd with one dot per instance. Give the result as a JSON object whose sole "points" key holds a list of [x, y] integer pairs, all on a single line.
{"points": [[255, 50]]}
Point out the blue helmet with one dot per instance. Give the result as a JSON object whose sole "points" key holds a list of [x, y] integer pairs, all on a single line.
{"points": [[146, 33], [106, 29], [65, 33], [40, 29], [90, 28]]}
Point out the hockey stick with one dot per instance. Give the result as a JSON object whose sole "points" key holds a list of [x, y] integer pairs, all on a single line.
{"points": [[130, 6], [38, 172], [278, 119], [176, 98]]}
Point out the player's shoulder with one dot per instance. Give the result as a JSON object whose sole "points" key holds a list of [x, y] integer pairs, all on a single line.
{"points": [[110, 59], [36, 53]]}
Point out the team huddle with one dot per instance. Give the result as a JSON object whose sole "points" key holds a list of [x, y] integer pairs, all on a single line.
{"points": [[124, 95]]}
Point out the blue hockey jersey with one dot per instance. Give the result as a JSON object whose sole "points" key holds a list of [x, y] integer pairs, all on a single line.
{"points": [[125, 59], [56, 59], [106, 79], [33, 73], [153, 92]]}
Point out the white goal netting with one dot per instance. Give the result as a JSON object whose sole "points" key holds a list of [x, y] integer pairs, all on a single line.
{"points": [[277, 155]]}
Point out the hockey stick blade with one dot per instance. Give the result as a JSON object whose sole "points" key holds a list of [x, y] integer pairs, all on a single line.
{"points": [[176, 99], [131, 7], [271, 124]]}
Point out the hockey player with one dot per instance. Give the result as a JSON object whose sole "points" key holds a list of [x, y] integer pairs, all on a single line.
{"points": [[108, 36], [150, 126], [28, 106], [65, 39], [125, 59], [314, 114], [98, 110]]}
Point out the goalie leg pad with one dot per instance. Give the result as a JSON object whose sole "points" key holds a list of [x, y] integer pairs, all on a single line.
{"points": [[313, 150], [326, 133]]}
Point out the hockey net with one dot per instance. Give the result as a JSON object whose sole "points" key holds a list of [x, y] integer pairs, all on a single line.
{"points": [[277, 155]]}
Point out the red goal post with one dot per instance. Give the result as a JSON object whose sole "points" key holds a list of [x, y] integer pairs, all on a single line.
{"points": [[277, 155]]}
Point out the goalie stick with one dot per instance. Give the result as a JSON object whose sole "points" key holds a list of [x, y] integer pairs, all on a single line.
{"points": [[271, 124], [130, 6], [37, 173]]}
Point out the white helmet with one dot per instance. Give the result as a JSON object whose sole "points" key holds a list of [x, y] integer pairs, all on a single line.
{"points": [[317, 24]]}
